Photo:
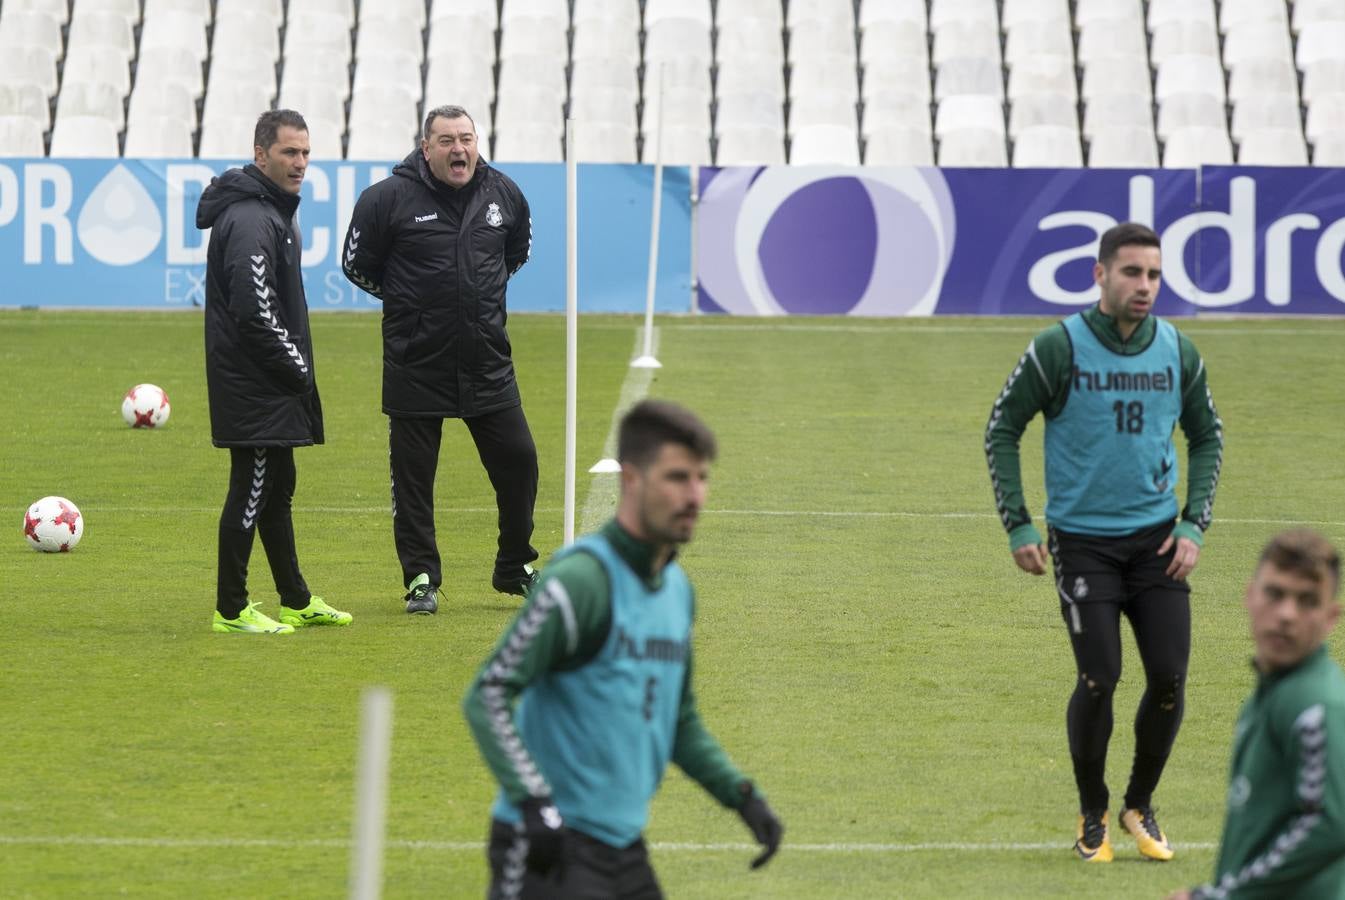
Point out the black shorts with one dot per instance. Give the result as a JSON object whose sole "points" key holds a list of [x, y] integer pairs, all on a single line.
{"points": [[591, 869], [1119, 570]]}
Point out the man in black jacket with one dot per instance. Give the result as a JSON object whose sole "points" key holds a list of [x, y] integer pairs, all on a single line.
{"points": [[259, 371], [437, 242]]}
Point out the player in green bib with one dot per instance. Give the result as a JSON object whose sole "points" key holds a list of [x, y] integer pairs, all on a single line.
{"points": [[1284, 832], [1113, 382], [587, 697]]}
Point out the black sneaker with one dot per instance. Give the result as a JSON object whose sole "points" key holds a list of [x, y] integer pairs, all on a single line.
{"points": [[421, 599], [519, 584]]}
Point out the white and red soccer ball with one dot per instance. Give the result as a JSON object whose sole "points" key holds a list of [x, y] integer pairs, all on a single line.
{"points": [[53, 525], [145, 406]]}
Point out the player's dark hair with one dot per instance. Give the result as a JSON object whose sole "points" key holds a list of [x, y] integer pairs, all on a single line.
{"points": [[446, 112], [270, 122], [652, 423], [1306, 553], [1127, 234]]}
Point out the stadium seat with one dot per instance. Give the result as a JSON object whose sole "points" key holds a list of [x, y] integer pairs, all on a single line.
{"points": [[604, 105], [29, 65], [326, 71], [324, 137], [943, 12], [529, 143], [91, 98], [274, 10], [534, 37], [175, 30], [754, 38], [57, 9], [1326, 115], [1123, 147], [1329, 150], [1105, 39], [162, 99], [1257, 40], [681, 147], [201, 8], [680, 39], [309, 35], [812, 109], [238, 32], [897, 146], [621, 13], [960, 40], [969, 76], [1189, 74], [969, 112], [825, 145], [658, 10], [1324, 40], [1273, 147], [1020, 12], [102, 29], [742, 75], [1047, 147], [381, 37], [1265, 76], [1035, 39], [228, 99], [1236, 13], [810, 14], [532, 75], [747, 145], [1188, 148], [127, 9], [523, 107], [1126, 110], [894, 40], [388, 141], [228, 138], [23, 98], [1190, 110], [1183, 37], [1164, 11], [891, 109], [534, 9], [21, 136], [344, 10], [1087, 12], [1311, 12], [88, 137], [313, 101], [605, 142], [1107, 76], [688, 73], [248, 65], [1036, 110], [409, 13], [898, 73], [458, 11], [1043, 75], [1323, 77], [681, 108], [31, 29], [604, 74], [872, 12], [771, 10], [375, 104], [389, 70], [104, 64], [452, 77], [973, 148], [160, 63], [158, 137], [607, 40], [749, 108], [1260, 112]]}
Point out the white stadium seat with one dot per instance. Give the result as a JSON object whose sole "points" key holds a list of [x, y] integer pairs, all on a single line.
{"points": [[1190, 110], [104, 64], [1035, 110], [898, 146], [972, 75], [20, 136], [1273, 147], [31, 65], [91, 98], [809, 110], [1123, 147], [1123, 110], [1191, 147], [1329, 150], [973, 148], [620, 12], [1257, 76], [90, 137], [236, 31], [389, 140], [228, 138], [972, 112], [658, 10], [1237, 13], [528, 143], [890, 109], [749, 145], [408, 13], [162, 99], [681, 147], [1107, 76], [1048, 147], [1189, 74], [1326, 115], [910, 76], [605, 142], [825, 145], [274, 10], [176, 29], [387, 36], [1266, 111], [1178, 37], [57, 9], [606, 40], [1308, 13], [158, 137], [1324, 40], [1163, 11], [343, 10], [23, 98], [227, 99], [31, 29]]}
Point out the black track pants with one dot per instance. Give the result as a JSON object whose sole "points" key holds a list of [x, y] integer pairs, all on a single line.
{"points": [[261, 493]]}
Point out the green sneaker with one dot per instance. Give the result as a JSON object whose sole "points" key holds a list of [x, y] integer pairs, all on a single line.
{"points": [[317, 612], [250, 621]]}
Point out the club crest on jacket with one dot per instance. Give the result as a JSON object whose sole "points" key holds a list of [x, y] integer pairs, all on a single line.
{"points": [[493, 216]]}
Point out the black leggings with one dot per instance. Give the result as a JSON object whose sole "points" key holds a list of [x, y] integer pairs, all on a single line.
{"points": [[261, 491], [1099, 580]]}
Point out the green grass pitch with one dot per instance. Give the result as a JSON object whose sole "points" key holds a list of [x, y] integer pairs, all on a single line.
{"points": [[865, 648]]}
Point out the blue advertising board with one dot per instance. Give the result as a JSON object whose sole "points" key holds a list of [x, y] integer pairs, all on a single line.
{"points": [[122, 233], [921, 241]]}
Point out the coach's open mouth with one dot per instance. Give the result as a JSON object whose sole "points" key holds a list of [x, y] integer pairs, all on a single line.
{"points": [[458, 165]]}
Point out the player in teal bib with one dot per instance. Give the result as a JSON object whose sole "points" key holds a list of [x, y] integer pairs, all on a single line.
{"points": [[1113, 383], [588, 694]]}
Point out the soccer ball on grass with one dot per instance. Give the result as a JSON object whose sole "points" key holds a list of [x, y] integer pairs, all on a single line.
{"points": [[53, 525], [145, 406]]}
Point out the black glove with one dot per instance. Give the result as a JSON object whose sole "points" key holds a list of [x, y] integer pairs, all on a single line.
{"points": [[765, 827], [542, 827]]}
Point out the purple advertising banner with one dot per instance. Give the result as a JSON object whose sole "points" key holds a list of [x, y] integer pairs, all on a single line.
{"points": [[878, 241]]}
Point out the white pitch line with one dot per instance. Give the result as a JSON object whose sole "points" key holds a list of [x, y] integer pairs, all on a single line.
{"points": [[606, 505], [898, 327], [76, 840], [600, 502]]}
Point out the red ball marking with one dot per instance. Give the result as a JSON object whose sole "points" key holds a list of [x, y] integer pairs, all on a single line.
{"points": [[65, 548], [68, 517], [163, 400], [143, 419], [30, 527]]}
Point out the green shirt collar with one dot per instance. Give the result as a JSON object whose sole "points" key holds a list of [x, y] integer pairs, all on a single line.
{"points": [[638, 554], [1104, 326], [1265, 680]]}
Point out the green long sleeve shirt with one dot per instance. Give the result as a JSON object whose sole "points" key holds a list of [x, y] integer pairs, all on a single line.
{"points": [[567, 637], [1040, 383], [1284, 832]]}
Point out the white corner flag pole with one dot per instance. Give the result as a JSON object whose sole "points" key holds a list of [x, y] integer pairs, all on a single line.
{"points": [[371, 794], [571, 322], [646, 359]]}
